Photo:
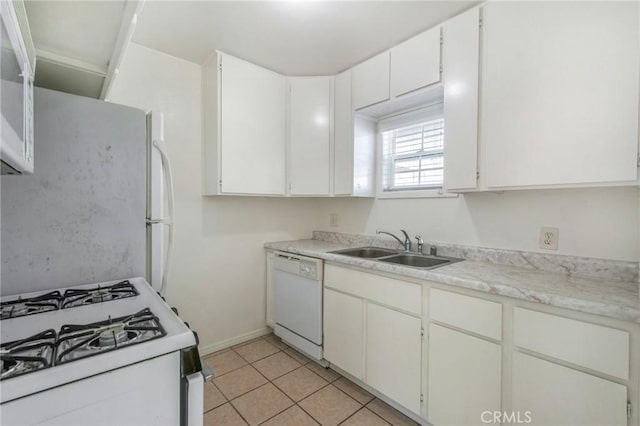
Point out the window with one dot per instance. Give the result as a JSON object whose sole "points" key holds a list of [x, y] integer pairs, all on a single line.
{"points": [[412, 154]]}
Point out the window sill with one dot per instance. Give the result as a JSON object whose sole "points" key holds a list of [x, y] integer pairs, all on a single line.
{"points": [[419, 193]]}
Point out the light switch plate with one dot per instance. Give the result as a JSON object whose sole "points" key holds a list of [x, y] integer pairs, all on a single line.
{"points": [[549, 238]]}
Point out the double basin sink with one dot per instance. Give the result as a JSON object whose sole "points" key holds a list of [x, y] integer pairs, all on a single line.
{"points": [[414, 260]]}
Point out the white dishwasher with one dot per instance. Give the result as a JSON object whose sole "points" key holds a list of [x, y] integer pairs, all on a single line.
{"points": [[297, 300]]}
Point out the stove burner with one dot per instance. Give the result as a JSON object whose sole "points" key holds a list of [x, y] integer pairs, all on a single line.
{"points": [[81, 341], [27, 355], [114, 337], [82, 297], [32, 305]]}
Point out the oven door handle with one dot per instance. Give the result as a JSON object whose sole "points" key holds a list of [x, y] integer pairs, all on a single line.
{"points": [[194, 392]]}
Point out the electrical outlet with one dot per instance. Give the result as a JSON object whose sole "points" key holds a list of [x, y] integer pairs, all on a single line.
{"points": [[549, 238], [333, 220]]}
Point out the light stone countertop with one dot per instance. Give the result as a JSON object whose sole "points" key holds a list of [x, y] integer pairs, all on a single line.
{"points": [[615, 299]]}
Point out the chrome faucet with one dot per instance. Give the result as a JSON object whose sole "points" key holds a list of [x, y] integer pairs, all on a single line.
{"points": [[407, 241], [420, 243]]}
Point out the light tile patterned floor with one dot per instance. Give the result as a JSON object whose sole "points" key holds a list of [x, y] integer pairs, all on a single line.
{"points": [[267, 382]]}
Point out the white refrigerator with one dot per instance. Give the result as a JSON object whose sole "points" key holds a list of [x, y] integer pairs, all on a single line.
{"points": [[97, 207]]}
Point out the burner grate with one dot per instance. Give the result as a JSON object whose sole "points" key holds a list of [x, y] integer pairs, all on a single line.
{"points": [[82, 297], [82, 341], [27, 355], [33, 305], [54, 301]]}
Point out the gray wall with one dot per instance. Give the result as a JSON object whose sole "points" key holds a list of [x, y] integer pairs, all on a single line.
{"points": [[81, 217]]}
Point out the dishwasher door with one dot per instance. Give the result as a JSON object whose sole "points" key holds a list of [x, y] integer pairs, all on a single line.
{"points": [[298, 296]]}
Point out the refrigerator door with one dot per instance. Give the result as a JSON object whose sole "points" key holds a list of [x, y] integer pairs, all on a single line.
{"points": [[159, 204], [80, 217]]}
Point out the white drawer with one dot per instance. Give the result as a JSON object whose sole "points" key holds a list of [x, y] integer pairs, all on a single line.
{"points": [[398, 294], [468, 313], [592, 346]]}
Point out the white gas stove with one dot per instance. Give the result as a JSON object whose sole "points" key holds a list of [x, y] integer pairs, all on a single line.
{"points": [[93, 344]]}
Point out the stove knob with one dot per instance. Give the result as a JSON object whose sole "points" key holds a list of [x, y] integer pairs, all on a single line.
{"points": [[175, 310]]}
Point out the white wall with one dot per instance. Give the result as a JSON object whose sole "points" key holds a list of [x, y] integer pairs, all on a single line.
{"points": [[597, 222], [217, 276]]}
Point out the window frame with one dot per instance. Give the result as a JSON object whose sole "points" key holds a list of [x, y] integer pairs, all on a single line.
{"points": [[408, 118]]}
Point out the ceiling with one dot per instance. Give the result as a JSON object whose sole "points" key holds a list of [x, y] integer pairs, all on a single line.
{"points": [[290, 37], [74, 42], [78, 43]]}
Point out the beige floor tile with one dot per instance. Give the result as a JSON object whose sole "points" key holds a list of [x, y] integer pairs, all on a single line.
{"points": [[294, 416], [256, 350], [262, 404], [353, 390], [276, 365], [326, 373], [301, 358], [276, 341], [224, 415], [239, 381], [300, 383], [212, 396], [364, 417], [389, 413], [330, 406], [224, 362]]}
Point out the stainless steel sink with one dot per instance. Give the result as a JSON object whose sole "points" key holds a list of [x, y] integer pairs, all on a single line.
{"points": [[418, 261], [366, 252], [414, 260]]}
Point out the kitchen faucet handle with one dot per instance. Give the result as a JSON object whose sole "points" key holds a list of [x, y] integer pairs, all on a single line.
{"points": [[407, 240]]}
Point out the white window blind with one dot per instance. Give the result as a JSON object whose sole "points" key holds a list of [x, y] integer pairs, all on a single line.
{"points": [[413, 155]]}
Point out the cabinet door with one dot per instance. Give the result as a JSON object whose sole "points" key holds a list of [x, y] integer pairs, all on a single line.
{"points": [[370, 81], [343, 135], [344, 332], [557, 395], [393, 355], [416, 63], [560, 96], [464, 377], [460, 53], [309, 149], [252, 133]]}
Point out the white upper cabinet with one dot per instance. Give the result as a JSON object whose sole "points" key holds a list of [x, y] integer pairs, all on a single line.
{"points": [[310, 135], [16, 86], [245, 128], [370, 81], [415, 63], [460, 52], [559, 101], [354, 145], [343, 135]]}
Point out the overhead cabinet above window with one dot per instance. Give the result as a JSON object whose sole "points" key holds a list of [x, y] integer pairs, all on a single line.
{"points": [[415, 64], [406, 68]]}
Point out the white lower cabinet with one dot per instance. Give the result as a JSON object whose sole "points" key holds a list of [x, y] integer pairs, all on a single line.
{"points": [[487, 360], [558, 395], [464, 377], [344, 332], [393, 355]]}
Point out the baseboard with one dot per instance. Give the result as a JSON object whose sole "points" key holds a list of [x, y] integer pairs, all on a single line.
{"points": [[218, 346]]}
